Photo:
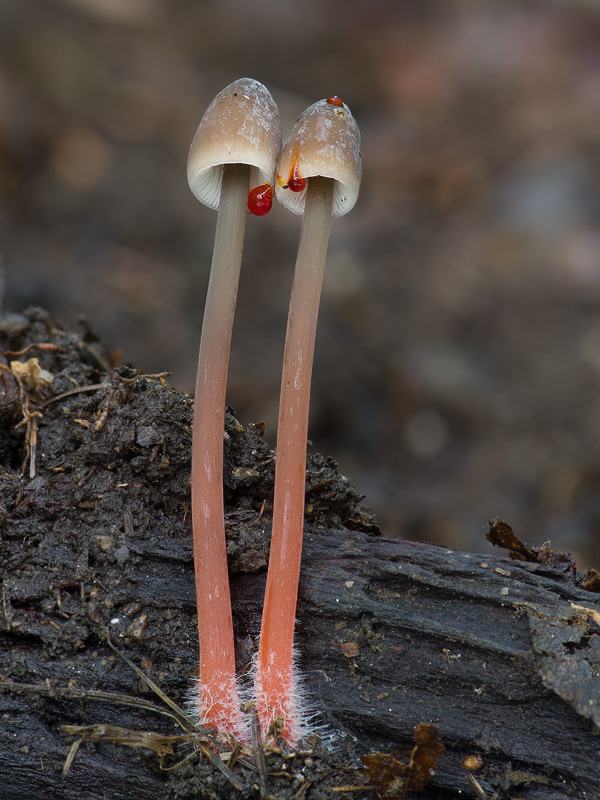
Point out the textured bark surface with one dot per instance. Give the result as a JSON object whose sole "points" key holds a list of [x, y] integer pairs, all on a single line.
{"points": [[502, 655]]}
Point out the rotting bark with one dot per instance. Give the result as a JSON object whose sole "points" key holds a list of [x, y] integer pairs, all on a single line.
{"points": [[503, 655]]}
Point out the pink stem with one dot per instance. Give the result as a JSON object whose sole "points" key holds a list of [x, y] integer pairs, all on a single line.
{"points": [[276, 692], [219, 701]]}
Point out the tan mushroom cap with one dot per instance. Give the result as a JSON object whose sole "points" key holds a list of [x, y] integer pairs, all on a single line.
{"points": [[240, 126], [324, 141]]}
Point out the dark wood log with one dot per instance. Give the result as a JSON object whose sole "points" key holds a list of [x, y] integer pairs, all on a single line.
{"points": [[503, 655]]}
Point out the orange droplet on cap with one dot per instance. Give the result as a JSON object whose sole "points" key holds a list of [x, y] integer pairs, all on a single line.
{"points": [[334, 100]]}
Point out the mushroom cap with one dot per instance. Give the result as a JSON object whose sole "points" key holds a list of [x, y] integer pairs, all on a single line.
{"points": [[240, 126], [325, 141]]}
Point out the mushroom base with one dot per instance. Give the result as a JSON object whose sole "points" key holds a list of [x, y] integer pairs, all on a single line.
{"points": [[282, 706], [219, 710]]}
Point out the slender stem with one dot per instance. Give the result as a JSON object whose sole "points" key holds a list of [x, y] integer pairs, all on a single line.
{"points": [[276, 693], [218, 695]]}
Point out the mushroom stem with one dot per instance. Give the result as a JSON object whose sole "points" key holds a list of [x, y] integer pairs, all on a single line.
{"points": [[275, 684], [219, 701]]}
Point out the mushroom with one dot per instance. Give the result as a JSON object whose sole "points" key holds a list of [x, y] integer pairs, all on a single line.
{"points": [[318, 176], [234, 150]]}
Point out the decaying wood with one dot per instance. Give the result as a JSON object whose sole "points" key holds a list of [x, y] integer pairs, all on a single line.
{"points": [[503, 655]]}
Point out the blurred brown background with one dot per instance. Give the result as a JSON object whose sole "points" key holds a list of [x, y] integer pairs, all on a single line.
{"points": [[457, 374]]}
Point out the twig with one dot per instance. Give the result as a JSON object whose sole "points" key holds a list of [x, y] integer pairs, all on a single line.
{"points": [[159, 376], [91, 388], [477, 788], [53, 348], [217, 762], [30, 419], [69, 692], [259, 753], [182, 718]]}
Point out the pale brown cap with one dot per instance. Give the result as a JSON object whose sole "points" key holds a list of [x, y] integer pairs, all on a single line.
{"points": [[240, 126], [324, 141]]}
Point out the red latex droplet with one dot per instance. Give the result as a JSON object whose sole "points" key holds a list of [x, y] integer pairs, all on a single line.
{"points": [[295, 182], [334, 100], [260, 200]]}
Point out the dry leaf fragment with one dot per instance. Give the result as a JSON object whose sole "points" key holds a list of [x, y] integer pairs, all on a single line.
{"points": [[395, 778], [388, 774], [31, 373], [424, 756], [350, 649]]}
